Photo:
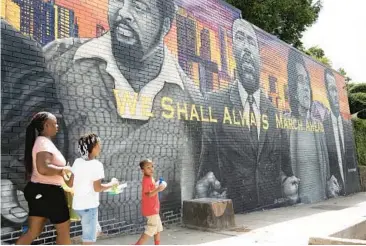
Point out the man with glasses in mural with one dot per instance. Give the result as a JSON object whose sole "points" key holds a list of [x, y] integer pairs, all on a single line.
{"points": [[340, 143], [123, 86], [245, 162]]}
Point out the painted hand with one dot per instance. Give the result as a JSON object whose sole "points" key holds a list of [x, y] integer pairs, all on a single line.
{"points": [[333, 187], [11, 209], [290, 187], [209, 186]]}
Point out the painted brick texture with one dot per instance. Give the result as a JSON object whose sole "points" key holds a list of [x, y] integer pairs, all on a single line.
{"points": [[224, 109]]}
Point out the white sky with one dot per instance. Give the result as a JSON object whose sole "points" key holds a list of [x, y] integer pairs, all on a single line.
{"points": [[341, 32]]}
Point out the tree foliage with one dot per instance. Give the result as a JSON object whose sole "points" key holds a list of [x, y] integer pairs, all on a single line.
{"points": [[359, 126], [357, 99], [318, 53], [287, 19], [343, 72], [357, 104]]}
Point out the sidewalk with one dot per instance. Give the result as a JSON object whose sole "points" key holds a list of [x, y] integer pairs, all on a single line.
{"points": [[288, 225]]}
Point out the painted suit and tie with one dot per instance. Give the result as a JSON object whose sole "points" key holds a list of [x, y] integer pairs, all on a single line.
{"points": [[250, 162], [341, 145]]}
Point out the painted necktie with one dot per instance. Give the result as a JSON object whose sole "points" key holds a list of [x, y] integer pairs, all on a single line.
{"points": [[253, 127]]}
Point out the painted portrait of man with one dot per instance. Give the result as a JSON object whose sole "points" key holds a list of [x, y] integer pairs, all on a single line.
{"points": [[340, 142], [245, 162], [122, 86], [309, 157]]}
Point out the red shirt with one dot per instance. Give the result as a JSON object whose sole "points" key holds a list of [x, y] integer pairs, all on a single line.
{"points": [[150, 205]]}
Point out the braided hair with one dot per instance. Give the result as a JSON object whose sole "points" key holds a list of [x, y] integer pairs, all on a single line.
{"points": [[86, 144], [34, 129]]}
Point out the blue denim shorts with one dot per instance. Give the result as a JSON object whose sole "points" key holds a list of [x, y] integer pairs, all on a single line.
{"points": [[89, 221]]}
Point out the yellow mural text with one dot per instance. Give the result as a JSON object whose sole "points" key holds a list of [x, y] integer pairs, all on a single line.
{"points": [[128, 102], [240, 118], [186, 111], [290, 123]]}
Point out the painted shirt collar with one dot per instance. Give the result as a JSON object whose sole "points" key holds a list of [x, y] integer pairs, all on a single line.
{"points": [[101, 47], [244, 95]]}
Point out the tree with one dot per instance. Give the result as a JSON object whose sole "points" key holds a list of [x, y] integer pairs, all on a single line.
{"points": [[287, 19], [318, 53], [357, 104], [343, 72], [357, 99]]}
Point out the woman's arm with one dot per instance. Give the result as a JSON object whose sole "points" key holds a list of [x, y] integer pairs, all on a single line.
{"points": [[45, 167]]}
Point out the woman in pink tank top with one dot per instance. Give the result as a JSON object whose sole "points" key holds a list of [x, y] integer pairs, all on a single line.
{"points": [[45, 167]]}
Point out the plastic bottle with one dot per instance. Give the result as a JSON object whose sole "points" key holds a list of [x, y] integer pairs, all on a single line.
{"points": [[160, 182], [24, 228]]}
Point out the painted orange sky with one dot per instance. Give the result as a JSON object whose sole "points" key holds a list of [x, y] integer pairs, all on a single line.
{"points": [[319, 88], [89, 13], [343, 98], [317, 82], [274, 63]]}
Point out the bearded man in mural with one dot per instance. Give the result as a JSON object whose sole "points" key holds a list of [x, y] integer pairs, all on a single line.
{"points": [[27, 88], [341, 145], [245, 158], [124, 86]]}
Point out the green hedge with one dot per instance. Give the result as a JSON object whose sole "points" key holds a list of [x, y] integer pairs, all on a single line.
{"points": [[356, 88], [357, 101], [360, 137]]}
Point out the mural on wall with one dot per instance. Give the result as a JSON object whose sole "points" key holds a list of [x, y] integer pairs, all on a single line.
{"points": [[340, 141], [246, 131], [308, 151], [26, 87], [223, 108], [124, 85]]}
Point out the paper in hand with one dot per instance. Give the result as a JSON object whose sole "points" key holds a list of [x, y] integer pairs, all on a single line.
{"points": [[117, 190]]}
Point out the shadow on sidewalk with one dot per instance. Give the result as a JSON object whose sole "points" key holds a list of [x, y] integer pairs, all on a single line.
{"points": [[262, 218], [177, 235]]}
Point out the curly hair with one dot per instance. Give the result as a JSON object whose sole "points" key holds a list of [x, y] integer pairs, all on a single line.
{"points": [[86, 144]]}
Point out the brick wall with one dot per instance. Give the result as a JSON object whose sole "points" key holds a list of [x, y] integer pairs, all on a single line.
{"points": [[223, 108]]}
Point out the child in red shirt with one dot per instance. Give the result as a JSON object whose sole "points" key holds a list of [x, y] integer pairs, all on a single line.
{"points": [[150, 203]]}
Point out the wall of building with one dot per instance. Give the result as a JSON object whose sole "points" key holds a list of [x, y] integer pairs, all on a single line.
{"points": [[223, 108]]}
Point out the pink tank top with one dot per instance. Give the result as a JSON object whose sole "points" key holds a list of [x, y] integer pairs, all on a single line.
{"points": [[43, 144]]}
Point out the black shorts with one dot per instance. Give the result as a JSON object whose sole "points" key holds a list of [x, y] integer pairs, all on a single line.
{"points": [[48, 201]]}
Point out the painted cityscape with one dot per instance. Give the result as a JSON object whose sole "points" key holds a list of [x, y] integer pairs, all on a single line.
{"points": [[201, 41], [205, 56]]}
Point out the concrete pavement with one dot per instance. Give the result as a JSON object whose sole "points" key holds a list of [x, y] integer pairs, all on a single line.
{"points": [[288, 225]]}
